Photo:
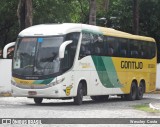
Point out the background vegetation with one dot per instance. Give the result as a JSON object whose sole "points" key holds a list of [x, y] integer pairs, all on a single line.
{"points": [[119, 14]]}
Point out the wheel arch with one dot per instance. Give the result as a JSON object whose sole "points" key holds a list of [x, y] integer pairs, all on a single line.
{"points": [[136, 82], [84, 86]]}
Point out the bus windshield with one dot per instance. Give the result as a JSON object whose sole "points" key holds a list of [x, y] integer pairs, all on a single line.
{"points": [[37, 56]]}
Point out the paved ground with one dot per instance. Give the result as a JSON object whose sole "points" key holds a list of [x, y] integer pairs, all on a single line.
{"points": [[114, 108]]}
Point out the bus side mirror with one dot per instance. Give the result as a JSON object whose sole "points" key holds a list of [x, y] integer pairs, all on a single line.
{"points": [[63, 47], [6, 48]]}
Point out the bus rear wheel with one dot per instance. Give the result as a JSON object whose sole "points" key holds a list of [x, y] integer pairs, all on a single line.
{"points": [[38, 100], [133, 92], [100, 98], [140, 91], [79, 98]]}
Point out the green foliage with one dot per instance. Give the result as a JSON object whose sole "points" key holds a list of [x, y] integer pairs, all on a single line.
{"points": [[58, 11], [8, 21], [149, 20], [119, 16]]}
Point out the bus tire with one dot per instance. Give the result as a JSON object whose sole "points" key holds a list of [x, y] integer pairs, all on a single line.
{"points": [[133, 92], [140, 91], [79, 98], [100, 98], [38, 100]]}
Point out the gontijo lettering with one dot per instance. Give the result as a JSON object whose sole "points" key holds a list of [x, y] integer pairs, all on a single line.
{"points": [[131, 65]]}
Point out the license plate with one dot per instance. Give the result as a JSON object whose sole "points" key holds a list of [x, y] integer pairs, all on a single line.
{"points": [[32, 93]]}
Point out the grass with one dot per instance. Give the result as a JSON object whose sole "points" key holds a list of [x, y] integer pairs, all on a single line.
{"points": [[146, 108]]}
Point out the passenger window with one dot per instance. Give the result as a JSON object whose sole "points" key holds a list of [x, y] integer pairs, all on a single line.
{"points": [[112, 46], [123, 47], [97, 45], [133, 49]]}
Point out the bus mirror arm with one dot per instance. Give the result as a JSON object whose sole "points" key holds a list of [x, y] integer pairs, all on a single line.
{"points": [[63, 47]]}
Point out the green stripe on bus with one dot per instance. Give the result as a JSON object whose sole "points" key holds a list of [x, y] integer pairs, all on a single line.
{"points": [[111, 71], [102, 72], [46, 81], [106, 71]]}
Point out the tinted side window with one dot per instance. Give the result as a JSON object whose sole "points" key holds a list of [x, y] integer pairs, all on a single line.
{"points": [[129, 48], [123, 51], [152, 50], [133, 48], [111, 46], [97, 45], [85, 48], [142, 49]]}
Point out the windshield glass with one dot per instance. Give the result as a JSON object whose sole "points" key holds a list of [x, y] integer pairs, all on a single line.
{"points": [[37, 56]]}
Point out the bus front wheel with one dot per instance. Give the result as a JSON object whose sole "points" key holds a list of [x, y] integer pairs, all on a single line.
{"points": [[38, 100], [79, 98]]}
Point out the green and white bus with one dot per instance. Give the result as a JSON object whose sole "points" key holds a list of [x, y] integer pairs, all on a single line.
{"points": [[61, 61]]}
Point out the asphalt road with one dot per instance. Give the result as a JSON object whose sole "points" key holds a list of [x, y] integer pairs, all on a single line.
{"points": [[114, 108]]}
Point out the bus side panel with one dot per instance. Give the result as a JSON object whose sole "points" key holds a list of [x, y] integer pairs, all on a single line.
{"points": [[82, 72], [152, 66], [152, 82], [107, 76], [129, 69]]}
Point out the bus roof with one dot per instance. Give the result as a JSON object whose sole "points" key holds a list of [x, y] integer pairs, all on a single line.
{"points": [[60, 29]]}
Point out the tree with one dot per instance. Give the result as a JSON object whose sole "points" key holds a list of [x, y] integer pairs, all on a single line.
{"points": [[119, 15], [8, 22], [92, 12], [102, 10], [136, 16], [24, 13], [102, 6]]}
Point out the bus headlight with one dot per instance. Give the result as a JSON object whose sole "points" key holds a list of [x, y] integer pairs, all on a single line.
{"points": [[58, 81]]}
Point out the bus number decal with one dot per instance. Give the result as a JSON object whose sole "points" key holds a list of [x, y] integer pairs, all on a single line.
{"points": [[151, 65]]}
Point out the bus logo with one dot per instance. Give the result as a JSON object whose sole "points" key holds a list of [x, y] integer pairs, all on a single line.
{"points": [[68, 90]]}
